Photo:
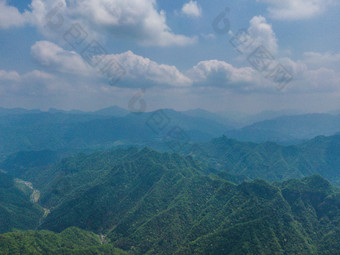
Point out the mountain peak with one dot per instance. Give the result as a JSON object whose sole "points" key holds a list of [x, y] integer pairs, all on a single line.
{"points": [[113, 111]]}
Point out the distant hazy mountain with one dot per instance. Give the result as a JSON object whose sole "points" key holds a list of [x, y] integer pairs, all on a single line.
{"points": [[200, 113], [187, 121], [288, 129], [113, 111], [64, 131], [5, 111], [240, 119]]}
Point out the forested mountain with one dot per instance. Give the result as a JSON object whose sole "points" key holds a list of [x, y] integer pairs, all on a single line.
{"points": [[16, 208], [113, 127], [18, 163], [146, 202], [274, 162], [70, 241], [219, 196], [233, 160]]}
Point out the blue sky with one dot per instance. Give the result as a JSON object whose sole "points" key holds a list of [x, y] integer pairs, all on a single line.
{"points": [[170, 49]]}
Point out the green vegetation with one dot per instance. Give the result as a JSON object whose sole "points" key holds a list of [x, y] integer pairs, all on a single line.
{"points": [[70, 241], [146, 202], [274, 162], [16, 210], [18, 163]]}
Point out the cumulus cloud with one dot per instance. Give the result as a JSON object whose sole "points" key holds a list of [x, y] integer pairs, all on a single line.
{"points": [[57, 59], [321, 59], [263, 33], [296, 9], [322, 79], [37, 75], [311, 80], [13, 76], [259, 33], [192, 9], [221, 74], [27, 84], [139, 71], [138, 20], [10, 16], [9, 76], [139, 68]]}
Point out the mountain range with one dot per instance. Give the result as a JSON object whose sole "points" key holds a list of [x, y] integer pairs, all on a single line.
{"points": [[168, 182], [145, 202], [75, 131], [271, 161]]}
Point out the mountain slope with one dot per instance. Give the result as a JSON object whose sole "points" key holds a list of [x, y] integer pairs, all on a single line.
{"points": [[152, 203], [16, 209], [18, 163], [70, 241], [274, 162]]}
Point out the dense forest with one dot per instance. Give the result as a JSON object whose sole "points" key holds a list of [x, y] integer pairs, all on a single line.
{"points": [[144, 202]]}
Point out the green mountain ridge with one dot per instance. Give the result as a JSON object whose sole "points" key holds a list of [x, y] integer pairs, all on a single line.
{"points": [[274, 162], [159, 203], [146, 202]]}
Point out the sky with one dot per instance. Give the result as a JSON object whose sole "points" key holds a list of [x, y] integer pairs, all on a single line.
{"points": [[240, 56]]}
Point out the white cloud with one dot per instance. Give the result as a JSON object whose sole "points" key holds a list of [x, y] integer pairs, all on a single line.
{"points": [[138, 20], [37, 75], [13, 76], [9, 76], [296, 68], [259, 33], [24, 85], [140, 71], [296, 9], [192, 9], [57, 59], [321, 59], [263, 33], [221, 74], [10, 16], [322, 79], [210, 36], [310, 80]]}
